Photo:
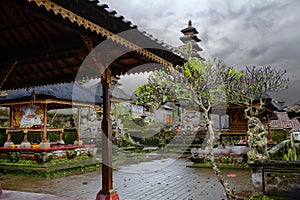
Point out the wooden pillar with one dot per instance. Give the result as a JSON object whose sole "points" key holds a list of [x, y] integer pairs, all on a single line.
{"points": [[78, 141], [45, 124], [116, 112], [106, 142], [107, 191], [45, 143], [220, 121], [60, 136], [10, 116], [269, 130], [78, 122], [25, 143], [269, 133], [89, 114], [8, 137], [8, 142], [25, 139]]}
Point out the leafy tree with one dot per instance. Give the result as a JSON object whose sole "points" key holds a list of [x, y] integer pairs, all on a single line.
{"points": [[252, 86], [197, 82], [157, 91]]}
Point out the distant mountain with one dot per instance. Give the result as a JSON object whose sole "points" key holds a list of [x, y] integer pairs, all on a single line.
{"points": [[291, 95]]}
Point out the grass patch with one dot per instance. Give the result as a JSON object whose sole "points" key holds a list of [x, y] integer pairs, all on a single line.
{"points": [[58, 167], [267, 198], [221, 165]]}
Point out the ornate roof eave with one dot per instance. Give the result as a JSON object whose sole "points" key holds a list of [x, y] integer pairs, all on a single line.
{"points": [[88, 25], [119, 100], [48, 101]]}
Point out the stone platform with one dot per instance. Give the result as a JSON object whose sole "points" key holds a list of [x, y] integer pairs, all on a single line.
{"points": [[44, 161]]}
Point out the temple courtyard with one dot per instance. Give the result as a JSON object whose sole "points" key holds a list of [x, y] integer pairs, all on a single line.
{"points": [[165, 178]]}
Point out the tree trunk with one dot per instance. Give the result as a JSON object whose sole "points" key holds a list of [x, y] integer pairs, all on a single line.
{"points": [[210, 142]]}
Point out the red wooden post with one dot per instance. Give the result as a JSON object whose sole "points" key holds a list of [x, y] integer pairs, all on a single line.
{"points": [[78, 123], [107, 192]]}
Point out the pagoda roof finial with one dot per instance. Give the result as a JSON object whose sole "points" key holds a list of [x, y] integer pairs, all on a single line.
{"points": [[190, 30]]}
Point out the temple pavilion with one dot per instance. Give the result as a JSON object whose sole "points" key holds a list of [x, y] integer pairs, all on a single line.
{"points": [[47, 42]]}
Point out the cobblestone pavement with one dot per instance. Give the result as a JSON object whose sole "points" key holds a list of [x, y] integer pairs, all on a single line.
{"points": [[156, 180]]}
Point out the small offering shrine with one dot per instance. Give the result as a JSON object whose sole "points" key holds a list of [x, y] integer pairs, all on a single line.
{"points": [[28, 115]]}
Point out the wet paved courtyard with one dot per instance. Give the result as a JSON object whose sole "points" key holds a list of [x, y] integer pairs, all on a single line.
{"points": [[165, 178]]}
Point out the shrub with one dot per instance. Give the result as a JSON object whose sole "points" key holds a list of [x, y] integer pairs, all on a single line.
{"points": [[69, 136], [3, 138]]}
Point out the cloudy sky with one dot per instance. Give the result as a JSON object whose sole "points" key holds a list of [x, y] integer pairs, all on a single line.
{"points": [[240, 32]]}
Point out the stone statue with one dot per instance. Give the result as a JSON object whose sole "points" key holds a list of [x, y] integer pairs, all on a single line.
{"points": [[258, 141], [30, 117]]}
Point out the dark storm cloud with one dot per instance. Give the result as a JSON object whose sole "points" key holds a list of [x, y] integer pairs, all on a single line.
{"points": [[256, 34], [240, 32]]}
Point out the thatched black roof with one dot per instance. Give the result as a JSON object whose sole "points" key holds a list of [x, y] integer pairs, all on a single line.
{"points": [[72, 92], [116, 93]]}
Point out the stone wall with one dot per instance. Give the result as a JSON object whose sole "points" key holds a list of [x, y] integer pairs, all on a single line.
{"points": [[281, 178]]}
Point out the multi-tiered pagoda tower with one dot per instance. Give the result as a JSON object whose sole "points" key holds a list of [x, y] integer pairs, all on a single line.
{"points": [[190, 40]]}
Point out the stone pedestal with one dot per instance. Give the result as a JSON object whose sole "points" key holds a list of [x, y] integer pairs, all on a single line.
{"points": [[113, 195], [60, 142], [25, 145], [78, 142], [8, 144], [257, 179], [45, 145]]}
